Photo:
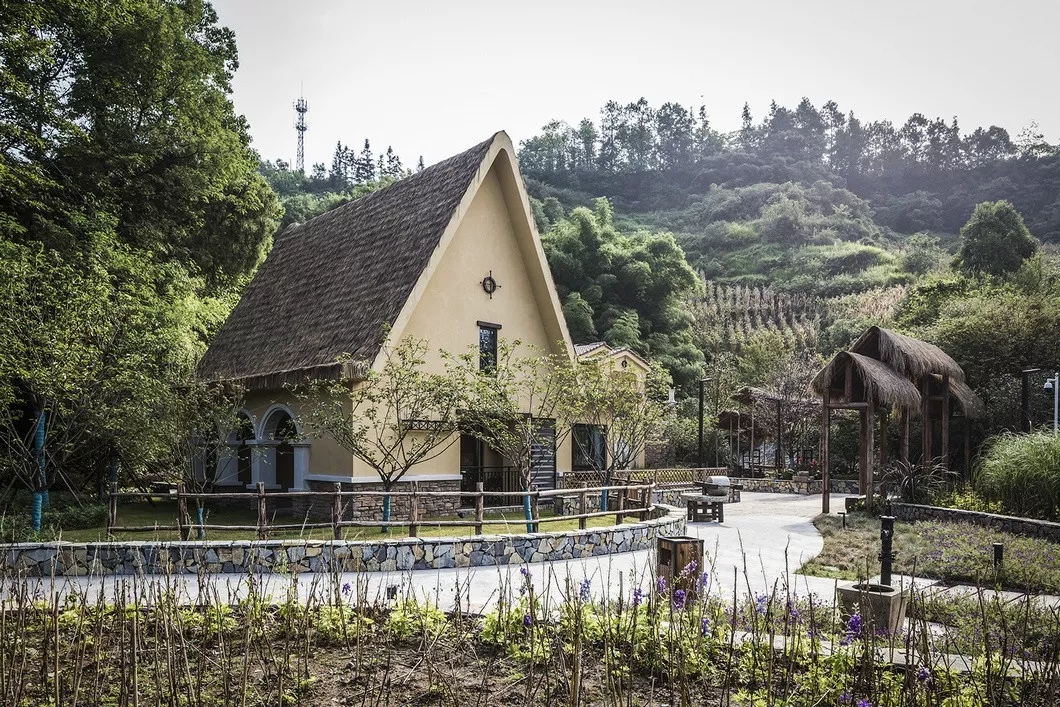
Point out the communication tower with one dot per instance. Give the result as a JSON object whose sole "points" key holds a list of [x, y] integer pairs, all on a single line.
{"points": [[302, 107]]}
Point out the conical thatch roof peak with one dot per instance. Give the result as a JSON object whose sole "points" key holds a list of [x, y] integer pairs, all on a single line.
{"points": [[883, 384], [909, 357]]}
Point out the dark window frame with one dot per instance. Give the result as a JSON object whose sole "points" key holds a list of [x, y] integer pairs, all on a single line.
{"points": [[487, 347]]}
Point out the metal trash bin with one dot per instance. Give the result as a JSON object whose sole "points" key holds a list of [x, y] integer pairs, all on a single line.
{"points": [[673, 554]]}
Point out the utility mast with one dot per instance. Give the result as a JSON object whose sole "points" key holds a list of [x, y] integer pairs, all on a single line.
{"points": [[302, 107]]}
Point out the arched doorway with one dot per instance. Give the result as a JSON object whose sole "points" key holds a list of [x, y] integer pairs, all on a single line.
{"points": [[281, 434]]}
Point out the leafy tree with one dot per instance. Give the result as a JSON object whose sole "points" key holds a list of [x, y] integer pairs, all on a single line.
{"points": [[631, 411], [630, 283], [365, 170], [399, 416], [123, 108], [526, 402], [995, 241]]}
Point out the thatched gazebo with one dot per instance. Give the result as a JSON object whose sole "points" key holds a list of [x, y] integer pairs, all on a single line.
{"points": [[883, 372]]}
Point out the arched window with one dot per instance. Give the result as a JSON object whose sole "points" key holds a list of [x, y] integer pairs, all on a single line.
{"points": [[281, 427]]}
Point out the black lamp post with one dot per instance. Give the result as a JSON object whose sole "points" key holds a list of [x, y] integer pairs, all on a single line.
{"points": [[1025, 397], [702, 383]]}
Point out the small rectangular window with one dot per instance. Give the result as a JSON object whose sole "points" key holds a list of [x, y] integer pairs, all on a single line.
{"points": [[487, 347]]}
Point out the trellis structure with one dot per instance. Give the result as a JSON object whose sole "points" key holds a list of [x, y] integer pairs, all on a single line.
{"points": [[885, 372]]}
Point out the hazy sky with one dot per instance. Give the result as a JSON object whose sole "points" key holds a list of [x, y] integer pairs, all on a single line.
{"points": [[434, 78]]}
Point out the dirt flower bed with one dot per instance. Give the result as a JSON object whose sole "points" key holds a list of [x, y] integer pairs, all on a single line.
{"points": [[954, 552], [640, 642]]}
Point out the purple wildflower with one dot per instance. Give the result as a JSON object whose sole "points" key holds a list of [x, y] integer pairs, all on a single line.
{"points": [[527, 621], [524, 571], [704, 580], [583, 590], [638, 597], [704, 626], [845, 698], [679, 599], [689, 569], [864, 703], [761, 600], [661, 585], [924, 675]]}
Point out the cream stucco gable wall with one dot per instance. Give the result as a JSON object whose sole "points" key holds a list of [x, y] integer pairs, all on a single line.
{"points": [[452, 304]]}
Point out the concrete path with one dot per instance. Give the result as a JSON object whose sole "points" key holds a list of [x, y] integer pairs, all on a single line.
{"points": [[763, 541]]}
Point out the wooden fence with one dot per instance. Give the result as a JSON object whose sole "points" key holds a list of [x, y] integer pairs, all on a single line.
{"points": [[659, 477], [633, 499]]}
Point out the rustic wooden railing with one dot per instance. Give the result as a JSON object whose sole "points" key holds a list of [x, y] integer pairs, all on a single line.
{"points": [[633, 499]]}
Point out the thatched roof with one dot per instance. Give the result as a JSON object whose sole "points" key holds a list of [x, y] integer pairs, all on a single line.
{"points": [[971, 404], [885, 386], [909, 357], [331, 284]]}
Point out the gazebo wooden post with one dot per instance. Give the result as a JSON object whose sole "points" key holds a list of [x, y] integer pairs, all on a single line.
{"points": [[925, 413], [904, 449], [751, 449], [867, 441], [825, 424], [883, 438], [967, 448], [946, 421]]}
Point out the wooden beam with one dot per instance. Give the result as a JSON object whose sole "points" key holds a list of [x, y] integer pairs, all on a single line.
{"points": [[847, 406], [904, 449], [826, 414], [866, 444], [925, 414], [946, 421], [883, 438]]}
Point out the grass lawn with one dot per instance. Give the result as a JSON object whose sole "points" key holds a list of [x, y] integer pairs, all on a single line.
{"points": [[164, 512], [957, 552]]}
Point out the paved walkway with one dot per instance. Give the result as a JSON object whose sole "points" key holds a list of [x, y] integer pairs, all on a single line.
{"points": [[764, 539]]}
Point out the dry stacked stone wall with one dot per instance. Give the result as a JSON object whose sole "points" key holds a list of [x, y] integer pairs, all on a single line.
{"points": [[805, 488], [1009, 524], [192, 557], [371, 507]]}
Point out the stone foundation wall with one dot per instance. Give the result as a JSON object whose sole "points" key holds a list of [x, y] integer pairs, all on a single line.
{"points": [[192, 557], [371, 507], [1009, 524]]}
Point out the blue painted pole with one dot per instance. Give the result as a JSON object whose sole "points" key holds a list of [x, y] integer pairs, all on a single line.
{"points": [[527, 512], [39, 503]]}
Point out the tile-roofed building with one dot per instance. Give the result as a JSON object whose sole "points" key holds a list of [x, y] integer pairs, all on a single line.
{"points": [[443, 255]]}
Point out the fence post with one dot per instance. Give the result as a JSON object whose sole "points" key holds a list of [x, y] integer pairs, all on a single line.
{"points": [[263, 518], [182, 512], [480, 504], [620, 516], [534, 512], [581, 507], [414, 510], [112, 508], [336, 511]]}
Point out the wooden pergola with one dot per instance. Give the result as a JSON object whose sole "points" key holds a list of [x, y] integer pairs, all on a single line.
{"points": [[885, 372]]}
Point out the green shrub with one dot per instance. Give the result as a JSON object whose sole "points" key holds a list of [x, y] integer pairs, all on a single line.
{"points": [[968, 500], [1022, 473]]}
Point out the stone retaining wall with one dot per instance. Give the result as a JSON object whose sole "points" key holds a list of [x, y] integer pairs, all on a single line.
{"points": [[1009, 524], [371, 507], [77, 559], [805, 488]]}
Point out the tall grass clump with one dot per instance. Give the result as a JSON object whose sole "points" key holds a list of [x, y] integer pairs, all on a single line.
{"points": [[1022, 472]]}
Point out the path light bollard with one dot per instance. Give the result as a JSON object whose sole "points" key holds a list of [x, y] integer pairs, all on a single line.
{"points": [[999, 556], [887, 554], [112, 508], [414, 510], [535, 513], [582, 510]]}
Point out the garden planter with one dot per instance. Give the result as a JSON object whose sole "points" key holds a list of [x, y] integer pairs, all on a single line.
{"points": [[880, 606]]}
